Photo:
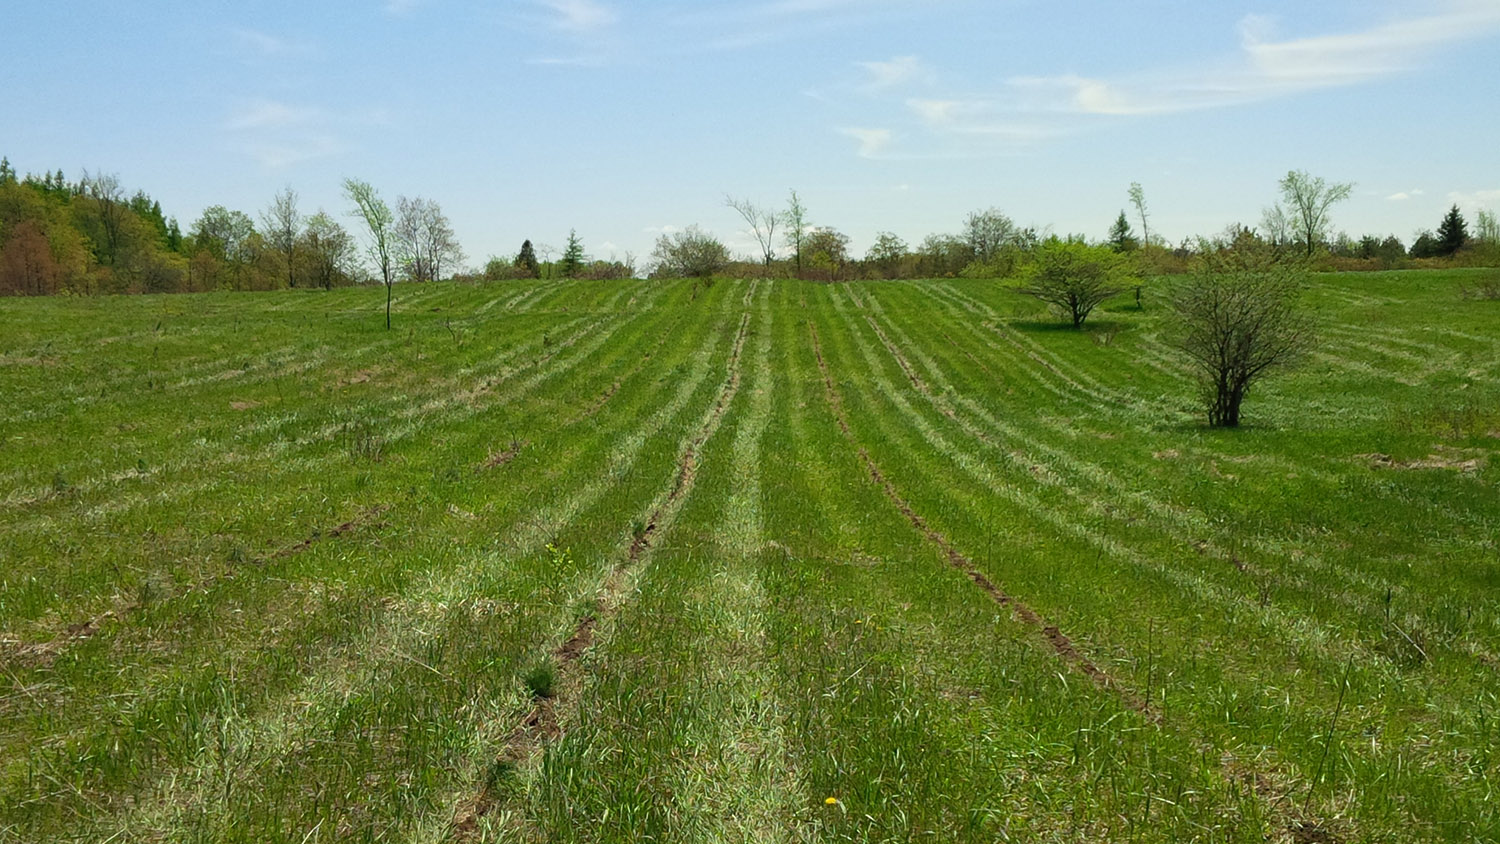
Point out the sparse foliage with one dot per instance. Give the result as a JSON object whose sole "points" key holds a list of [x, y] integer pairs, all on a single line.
{"points": [[378, 220], [426, 239], [1138, 199], [1302, 213], [282, 224], [796, 228], [1239, 318], [690, 253], [328, 249], [762, 222], [987, 232]]}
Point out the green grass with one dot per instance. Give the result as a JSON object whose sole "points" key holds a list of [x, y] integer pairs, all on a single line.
{"points": [[612, 562]]}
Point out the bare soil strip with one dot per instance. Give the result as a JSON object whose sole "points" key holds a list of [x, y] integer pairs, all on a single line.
{"points": [[541, 725]]}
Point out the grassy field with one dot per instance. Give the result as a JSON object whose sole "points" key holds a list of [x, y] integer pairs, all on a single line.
{"points": [[774, 561]]}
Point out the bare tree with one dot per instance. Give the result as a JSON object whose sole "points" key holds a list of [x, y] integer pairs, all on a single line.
{"points": [[282, 223], [1074, 278], [109, 201], [1307, 200], [987, 232], [796, 228], [763, 223], [1138, 199], [1239, 319], [376, 215], [426, 238]]}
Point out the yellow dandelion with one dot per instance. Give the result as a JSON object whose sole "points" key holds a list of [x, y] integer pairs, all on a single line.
{"points": [[831, 801]]}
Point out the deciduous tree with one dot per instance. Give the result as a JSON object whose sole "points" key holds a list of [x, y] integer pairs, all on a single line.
{"points": [[1239, 319], [796, 228], [762, 222], [1305, 202], [370, 209], [282, 225], [690, 253], [1074, 277]]}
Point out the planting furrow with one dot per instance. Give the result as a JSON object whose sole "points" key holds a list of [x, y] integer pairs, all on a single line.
{"points": [[542, 724], [289, 725], [1055, 638]]}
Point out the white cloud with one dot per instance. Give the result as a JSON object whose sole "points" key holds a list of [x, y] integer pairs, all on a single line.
{"points": [[902, 70], [1474, 199], [937, 111], [1266, 68], [1401, 196], [274, 155], [271, 114], [872, 142], [581, 15], [667, 229]]}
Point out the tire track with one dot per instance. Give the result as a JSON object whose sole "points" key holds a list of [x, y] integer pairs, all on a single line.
{"points": [[542, 725]]}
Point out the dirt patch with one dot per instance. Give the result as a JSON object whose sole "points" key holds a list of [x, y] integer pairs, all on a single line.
{"points": [[1459, 460], [365, 518], [501, 458], [1168, 454], [243, 405], [360, 377]]}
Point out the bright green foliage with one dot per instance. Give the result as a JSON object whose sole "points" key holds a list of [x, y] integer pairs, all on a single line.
{"points": [[303, 590], [1074, 277]]}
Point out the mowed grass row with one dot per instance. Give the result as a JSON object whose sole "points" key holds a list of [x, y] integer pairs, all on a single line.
{"points": [[337, 593]]}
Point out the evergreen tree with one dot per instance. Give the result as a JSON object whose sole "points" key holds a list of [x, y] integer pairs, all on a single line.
{"points": [[7, 172], [572, 259], [1120, 237], [526, 260], [1452, 233]]}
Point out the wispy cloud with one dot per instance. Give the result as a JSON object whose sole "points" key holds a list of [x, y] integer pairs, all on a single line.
{"points": [[581, 15], [872, 142], [279, 134], [902, 70], [271, 114], [1266, 68], [1475, 199], [1024, 110]]}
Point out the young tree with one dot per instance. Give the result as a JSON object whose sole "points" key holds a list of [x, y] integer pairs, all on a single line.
{"points": [[376, 215], [526, 260], [690, 253], [1239, 319], [329, 250], [1452, 233], [1138, 199], [572, 259], [1074, 277], [1305, 201], [282, 223], [762, 222], [1487, 229], [1121, 239], [796, 228]]}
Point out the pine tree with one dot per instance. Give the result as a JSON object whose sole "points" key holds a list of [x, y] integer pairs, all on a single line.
{"points": [[572, 259], [1120, 237], [526, 260], [1452, 233]]}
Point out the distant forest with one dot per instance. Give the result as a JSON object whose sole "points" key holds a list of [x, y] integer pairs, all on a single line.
{"points": [[90, 236]]}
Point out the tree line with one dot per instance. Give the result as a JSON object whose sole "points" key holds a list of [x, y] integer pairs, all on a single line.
{"points": [[89, 236]]}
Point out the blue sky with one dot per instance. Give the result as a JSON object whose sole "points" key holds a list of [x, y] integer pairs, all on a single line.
{"points": [[525, 118]]}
